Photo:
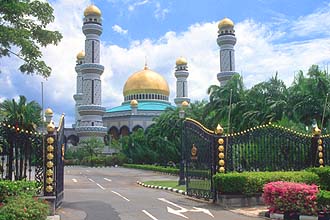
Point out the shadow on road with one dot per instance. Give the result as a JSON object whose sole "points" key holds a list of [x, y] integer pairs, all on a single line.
{"points": [[87, 210]]}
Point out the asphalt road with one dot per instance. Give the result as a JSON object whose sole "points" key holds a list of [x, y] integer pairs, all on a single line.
{"points": [[113, 194]]}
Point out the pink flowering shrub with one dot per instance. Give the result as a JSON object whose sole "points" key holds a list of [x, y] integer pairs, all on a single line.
{"points": [[291, 197]]}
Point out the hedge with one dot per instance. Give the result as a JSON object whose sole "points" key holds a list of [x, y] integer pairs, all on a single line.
{"points": [[14, 188], [324, 175], [251, 183], [170, 170], [323, 200]]}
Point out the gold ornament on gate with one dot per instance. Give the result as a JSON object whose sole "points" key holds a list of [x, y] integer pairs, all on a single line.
{"points": [[50, 148], [221, 155], [49, 180], [221, 141], [194, 152], [50, 164], [320, 154], [50, 127], [221, 148], [50, 156], [222, 169], [319, 141], [49, 172], [50, 140], [221, 162], [320, 148], [49, 189], [320, 161], [219, 129]]}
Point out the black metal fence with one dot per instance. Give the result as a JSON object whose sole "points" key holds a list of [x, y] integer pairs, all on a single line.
{"points": [[273, 148], [21, 154]]}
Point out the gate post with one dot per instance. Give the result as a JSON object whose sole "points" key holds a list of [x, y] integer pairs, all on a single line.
{"points": [[49, 186], [221, 149], [316, 153]]}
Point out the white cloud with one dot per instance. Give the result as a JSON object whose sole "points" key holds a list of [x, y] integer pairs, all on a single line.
{"points": [[132, 7], [119, 29], [160, 12], [312, 24]]}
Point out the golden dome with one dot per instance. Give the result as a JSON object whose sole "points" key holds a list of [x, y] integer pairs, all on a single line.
{"points": [[48, 111], [134, 103], [92, 10], [81, 55], [184, 104], [226, 22], [181, 61], [146, 81]]}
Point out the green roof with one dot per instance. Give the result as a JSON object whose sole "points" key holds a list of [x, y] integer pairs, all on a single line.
{"points": [[142, 106]]}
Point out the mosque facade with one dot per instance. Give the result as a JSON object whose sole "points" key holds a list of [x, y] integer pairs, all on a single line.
{"points": [[145, 94]]}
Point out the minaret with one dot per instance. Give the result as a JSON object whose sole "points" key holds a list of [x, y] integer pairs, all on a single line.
{"points": [[91, 111], [78, 96], [181, 74], [226, 41]]}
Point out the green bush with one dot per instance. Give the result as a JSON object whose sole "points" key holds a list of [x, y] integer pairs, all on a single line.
{"points": [[162, 169], [324, 175], [13, 188], [323, 200], [250, 183], [24, 207]]}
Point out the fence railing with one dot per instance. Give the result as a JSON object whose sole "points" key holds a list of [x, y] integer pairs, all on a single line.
{"points": [[274, 148]]}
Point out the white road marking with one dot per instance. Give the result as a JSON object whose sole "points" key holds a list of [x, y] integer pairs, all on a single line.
{"points": [[88, 171], [91, 180], [109, 180], [120, 196], [80, 173], [100, 186], [74, 180], [183, 210], [148, 214]]}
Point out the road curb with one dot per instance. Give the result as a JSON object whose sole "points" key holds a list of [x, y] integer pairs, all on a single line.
{"points": [[162, 188]]}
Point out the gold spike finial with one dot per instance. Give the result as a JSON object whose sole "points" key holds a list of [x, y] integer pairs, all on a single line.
{"points": [[219, 129]]}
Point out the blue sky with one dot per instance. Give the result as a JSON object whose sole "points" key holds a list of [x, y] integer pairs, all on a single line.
{"points": [[272, 35]]}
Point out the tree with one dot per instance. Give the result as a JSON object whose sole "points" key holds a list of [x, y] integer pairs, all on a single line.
{"points": [[23, 31], [92, 147]]}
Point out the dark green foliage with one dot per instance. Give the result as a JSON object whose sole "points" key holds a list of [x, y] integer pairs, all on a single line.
{"points": [[324, 175], [250, 183], [24, 207], [162, 169], [271, 101], [323, 200], [23, 26]]}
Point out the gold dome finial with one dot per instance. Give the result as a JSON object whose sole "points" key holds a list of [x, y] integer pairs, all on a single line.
{"points": [[226, 22], [48, 111], [181, 61], [316, 131], [219, 129], [184, 104], [134, 103], [81, 55], [92, 10]]}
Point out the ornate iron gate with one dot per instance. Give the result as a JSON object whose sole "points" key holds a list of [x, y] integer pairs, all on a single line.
{"points": [[200, 161]]}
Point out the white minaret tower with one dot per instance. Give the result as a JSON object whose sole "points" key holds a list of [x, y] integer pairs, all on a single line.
{"points": [[91, 111], [78, 96], [181, 73], [226, 41]]}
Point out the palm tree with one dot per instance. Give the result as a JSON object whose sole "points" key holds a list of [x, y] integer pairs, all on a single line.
{"points": [[25, 116]]}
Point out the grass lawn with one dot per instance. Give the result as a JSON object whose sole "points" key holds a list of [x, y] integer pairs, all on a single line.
{"points": [[166, 183]]}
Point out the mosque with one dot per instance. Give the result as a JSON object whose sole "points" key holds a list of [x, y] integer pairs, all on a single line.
{"points": [[145, 93]]}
